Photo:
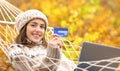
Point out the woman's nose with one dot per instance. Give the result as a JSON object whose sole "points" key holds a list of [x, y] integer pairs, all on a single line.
{"points": [[38, 29]]}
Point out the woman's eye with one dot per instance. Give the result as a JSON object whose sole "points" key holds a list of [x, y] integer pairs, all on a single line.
{"points": [[42, 26], [32, 25]]}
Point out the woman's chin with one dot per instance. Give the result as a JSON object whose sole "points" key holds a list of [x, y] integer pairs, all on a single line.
{"points": [[36, 41]]}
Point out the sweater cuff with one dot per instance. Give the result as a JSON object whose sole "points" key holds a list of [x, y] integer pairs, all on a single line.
{"points": [[54, 52]]}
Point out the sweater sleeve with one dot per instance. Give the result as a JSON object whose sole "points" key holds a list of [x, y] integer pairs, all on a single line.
{"points": [[54, 52], [19, 60], [66, 64], [23, 63], [51, 61]]}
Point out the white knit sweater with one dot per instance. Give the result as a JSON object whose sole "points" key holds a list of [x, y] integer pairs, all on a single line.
{"points": [[39, 58]]}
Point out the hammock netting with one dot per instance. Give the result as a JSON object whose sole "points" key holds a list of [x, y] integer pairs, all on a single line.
{"points": [[8, 32]]}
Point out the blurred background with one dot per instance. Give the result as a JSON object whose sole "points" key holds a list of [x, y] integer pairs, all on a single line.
{"points": [[87, 20]]}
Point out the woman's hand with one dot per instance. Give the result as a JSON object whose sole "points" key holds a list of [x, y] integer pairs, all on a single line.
{"points": [[55, 41]]}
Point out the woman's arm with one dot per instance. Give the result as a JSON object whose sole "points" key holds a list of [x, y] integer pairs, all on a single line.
{"points": [[19, 60], [22, 63], [66, 64], [51, 61]]}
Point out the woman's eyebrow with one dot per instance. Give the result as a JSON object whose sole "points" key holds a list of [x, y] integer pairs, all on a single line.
{"points": [[42, 24], [34, 22]]}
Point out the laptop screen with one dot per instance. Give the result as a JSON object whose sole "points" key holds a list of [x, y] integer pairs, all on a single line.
{"points": [[98, 57]]}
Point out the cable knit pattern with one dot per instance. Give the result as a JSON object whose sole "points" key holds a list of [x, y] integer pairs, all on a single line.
{"points": [[54, 52], [26, 16]]}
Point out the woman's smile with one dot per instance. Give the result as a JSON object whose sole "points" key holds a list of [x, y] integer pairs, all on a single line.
{"points": [[35, 30]]}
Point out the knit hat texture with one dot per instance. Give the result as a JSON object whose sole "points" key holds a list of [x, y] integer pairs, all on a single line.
{"points": [[24, 17]]}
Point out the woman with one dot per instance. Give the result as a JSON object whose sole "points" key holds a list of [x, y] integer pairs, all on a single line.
{"points": [[31, 52]]}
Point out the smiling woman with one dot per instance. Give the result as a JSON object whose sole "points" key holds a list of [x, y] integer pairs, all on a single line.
{"points": [[32, 52], [35, 30]]}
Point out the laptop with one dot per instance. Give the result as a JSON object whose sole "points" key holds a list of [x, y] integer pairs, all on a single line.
{"points": [[98, 57]]}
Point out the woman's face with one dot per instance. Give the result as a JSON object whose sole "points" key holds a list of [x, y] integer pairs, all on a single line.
{"points": [[35, 30]]}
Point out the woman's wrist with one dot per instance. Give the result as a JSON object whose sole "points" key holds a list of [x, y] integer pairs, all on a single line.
{"points": [[54, 52]]}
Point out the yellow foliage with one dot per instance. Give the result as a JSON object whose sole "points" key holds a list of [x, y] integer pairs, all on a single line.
{"points": [[86, 21]]}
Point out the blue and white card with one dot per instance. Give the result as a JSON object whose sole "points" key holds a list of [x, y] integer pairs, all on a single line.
{"points": [[62, 32]]}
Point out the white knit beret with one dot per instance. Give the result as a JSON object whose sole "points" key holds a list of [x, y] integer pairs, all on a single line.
{"points": [[26, 16]]}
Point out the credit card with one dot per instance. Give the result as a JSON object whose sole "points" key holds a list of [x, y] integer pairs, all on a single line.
{"points": [[62, 32]]}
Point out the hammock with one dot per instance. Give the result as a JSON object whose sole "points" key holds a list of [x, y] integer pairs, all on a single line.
{"points": [[8, 32]]}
